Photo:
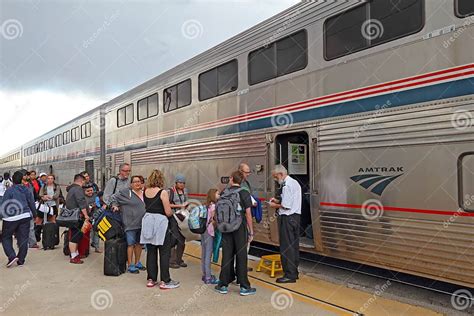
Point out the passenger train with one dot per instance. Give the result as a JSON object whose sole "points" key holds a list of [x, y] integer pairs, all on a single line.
{"points": [[369, 104]]}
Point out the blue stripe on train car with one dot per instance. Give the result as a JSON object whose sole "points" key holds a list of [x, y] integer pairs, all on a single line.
{"points": [[424, 94]]}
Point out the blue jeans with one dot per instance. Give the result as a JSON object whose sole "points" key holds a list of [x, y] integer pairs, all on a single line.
{"points": [[207, 246], [133, 237], [21, 229]]}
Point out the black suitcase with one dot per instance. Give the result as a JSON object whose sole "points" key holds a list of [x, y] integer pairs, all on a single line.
{"points": [[115, 257], [50, 234]]}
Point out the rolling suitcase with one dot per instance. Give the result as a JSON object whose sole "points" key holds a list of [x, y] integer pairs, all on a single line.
{"points": [[115, 257], [50, 234], [84, 245]]}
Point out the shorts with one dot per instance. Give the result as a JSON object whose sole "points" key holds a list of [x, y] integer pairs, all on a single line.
{"points": [[133, 237], [76, 235]]}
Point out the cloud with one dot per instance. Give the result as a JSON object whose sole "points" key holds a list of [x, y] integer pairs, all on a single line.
{"points": [[27, 115], [102, 49]]}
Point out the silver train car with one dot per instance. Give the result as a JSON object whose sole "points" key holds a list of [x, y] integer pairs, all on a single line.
{"points": [[68, 149], [369, 105]]}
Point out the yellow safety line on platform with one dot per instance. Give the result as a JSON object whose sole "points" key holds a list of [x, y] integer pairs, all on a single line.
{"points": [[335, 294]]}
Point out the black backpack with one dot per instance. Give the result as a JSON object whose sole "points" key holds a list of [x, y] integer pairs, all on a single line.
{"points": [[229, 211]]}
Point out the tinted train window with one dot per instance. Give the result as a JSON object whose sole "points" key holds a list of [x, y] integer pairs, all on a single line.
{"points": [[75, 134], [125, 115], [59, 140], [51, 143], [279, 58], [464, 8], [148, 107], [291, 54], [262, 64], [66, 138], [371, 24], [218, 81], [86, 130], [177, 96]]}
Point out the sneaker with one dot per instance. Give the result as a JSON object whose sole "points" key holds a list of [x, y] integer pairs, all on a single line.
{"points": [[133, 269], [174, 266], [212, 281], [35, 246], [140, 266], [170, 285], [76, 260], [247, 292], [97, 250], [183, 265], [221, 289], [151, 283], [12, 262]]}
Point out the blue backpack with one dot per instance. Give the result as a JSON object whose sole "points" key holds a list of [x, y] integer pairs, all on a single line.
{"points": [[197, 220]]}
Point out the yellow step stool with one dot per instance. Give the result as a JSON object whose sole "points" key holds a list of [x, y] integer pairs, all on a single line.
{"points": [[270, 263]]}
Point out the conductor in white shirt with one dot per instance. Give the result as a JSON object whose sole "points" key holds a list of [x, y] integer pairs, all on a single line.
{"points": [[289, 213]]}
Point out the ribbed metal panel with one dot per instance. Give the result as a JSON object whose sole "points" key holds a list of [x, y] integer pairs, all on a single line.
{"points": [[421, 124], [235, 147], [418, 245]]}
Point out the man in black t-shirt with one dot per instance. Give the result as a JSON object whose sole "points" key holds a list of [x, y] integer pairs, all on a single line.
{"points": [[76, 199], [234, 245]]}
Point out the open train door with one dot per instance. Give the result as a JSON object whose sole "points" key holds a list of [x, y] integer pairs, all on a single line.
{"points": [[296, 151]]}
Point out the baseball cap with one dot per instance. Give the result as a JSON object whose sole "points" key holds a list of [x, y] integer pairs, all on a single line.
{"points": [[180, 178]]}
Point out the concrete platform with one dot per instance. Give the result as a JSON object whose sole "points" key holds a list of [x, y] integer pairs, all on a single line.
{"points": [[49, 285]]}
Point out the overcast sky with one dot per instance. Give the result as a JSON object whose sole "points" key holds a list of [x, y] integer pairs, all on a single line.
{"points": [[59, 59]]}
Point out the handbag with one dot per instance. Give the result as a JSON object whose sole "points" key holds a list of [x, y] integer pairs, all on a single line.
{"points": [[181, 218], [69, 218], [43, 208]]}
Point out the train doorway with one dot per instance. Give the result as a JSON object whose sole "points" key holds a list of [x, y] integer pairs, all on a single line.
{"points": [[292, 151]]}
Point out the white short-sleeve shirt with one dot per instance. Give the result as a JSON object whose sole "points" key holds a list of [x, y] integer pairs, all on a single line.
{"points": [[290, 197]]}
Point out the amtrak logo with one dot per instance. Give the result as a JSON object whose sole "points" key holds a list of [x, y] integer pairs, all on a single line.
{"points": [[375, 182]]}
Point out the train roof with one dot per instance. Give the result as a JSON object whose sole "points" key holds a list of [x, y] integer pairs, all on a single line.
{"points": [[278, 26]]}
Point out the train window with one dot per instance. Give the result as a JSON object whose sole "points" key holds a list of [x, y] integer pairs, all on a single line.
{"points": [[177, 96], [218, 81], [125, 115], [464, 8], [86, 130], [59, 140], [51, 143], [279, 58], [147, 107], [262, 64], [291, 53], [66, 138], [40, 147], [466, 181], [75, 134], [371, 24], [169, 99], [184, 93], [46, 145]]}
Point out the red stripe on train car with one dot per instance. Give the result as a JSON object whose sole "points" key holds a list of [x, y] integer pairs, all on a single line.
{"points": [[403, 209]]}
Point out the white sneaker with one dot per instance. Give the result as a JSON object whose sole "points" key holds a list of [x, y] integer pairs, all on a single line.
{"points": [[14, 260], [170, 285]]}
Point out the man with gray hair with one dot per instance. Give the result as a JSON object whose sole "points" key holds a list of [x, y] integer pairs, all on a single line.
{"points": [[289, 213], [115, 184]]}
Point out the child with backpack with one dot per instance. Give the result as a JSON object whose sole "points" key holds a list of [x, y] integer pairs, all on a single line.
{"points": [[207, 238], [234, 221]]}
